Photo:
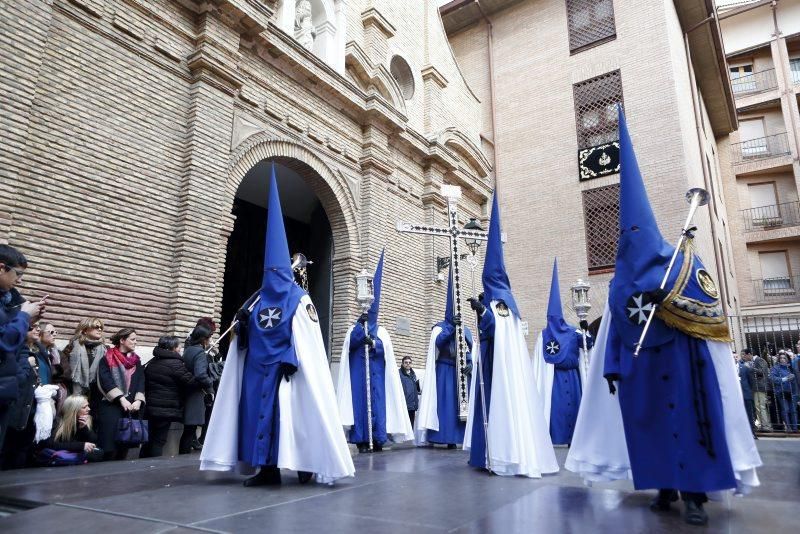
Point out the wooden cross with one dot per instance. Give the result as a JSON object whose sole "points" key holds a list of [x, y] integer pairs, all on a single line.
{"points": [[452, 193]]}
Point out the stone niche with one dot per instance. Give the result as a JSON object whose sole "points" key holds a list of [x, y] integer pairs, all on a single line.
{"points": [[317, 25]]}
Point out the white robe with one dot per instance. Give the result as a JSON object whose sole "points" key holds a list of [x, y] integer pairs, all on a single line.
{"points": [[599, 452], [428, 414], [310, 437], [518, 438], [398, 425], [545, 372]]}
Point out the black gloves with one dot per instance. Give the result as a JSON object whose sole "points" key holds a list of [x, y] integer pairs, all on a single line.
{"points": [[369, 340], [611, 378], [467, 369], [656, 296], [287, 370], [584, 325], [476, 305], [363, 318], [243, 315]]}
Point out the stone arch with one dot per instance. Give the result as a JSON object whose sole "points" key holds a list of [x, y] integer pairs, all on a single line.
{"points": [[337, 200], [464, 148], [332, 190], [379, 77]]}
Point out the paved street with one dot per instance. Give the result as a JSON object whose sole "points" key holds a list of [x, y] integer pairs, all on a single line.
{"points": [[404, 490]]}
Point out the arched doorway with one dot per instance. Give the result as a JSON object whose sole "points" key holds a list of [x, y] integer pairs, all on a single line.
{"points": [[308, 230]]}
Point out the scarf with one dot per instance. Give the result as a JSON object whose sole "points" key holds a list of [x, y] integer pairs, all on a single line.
{"points": [[84, 370], [55, 356], [122, 367], [45, 411]]}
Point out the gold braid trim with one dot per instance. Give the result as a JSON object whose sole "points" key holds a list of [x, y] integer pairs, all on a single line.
{"points": [[712, 327]]}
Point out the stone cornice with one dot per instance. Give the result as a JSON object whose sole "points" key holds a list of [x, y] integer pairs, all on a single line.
{"points": [[373, 17], [206, 59], [429, 72]]}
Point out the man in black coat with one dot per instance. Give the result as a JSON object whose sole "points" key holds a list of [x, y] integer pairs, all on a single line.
{"points": [[16, 315], [167, 382], [747, 381], [410, 388]]}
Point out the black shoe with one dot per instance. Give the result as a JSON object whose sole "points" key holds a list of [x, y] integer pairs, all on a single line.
{"points": [[304, 476], [377, 447], [664, 500], [196, 445], [694, 514], [267, 476], [363, 447], [452, 446]]}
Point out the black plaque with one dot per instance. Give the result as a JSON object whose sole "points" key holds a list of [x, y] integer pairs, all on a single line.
{"points": [[598, 161]]}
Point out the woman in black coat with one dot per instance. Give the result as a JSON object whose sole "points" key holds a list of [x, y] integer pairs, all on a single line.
{"points": [[120, 384], [196, 359], [167, 382]]}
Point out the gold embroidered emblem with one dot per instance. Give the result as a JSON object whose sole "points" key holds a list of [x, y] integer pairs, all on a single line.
{"points": [[707, 284]]}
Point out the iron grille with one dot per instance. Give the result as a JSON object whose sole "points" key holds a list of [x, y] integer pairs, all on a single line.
{"points": [[590, 22], [596, 113], [601, 219]]}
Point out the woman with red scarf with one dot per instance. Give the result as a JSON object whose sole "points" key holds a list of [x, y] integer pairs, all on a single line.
{"points": [[120, 381]]}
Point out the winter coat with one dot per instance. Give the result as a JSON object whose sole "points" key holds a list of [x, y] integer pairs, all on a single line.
{"points": [[109, 410], [761, 382], [196, 360], [167, 383], [783, 380], [82, 436], [20, 411], [13, 330], [746, 380], [410, 389]]}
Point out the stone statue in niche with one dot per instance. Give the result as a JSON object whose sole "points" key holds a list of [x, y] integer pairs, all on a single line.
{"points": [[303, 25]]}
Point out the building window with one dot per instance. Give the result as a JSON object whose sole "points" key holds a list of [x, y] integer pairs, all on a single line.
{"points": [[601, 220], [402, 74], [596, 113], [794, 65], [591, 22]]}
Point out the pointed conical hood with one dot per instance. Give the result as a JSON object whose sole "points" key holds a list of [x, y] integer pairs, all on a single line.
{"points": [[278, 277], [448, 307], [642, 253], [495, 279], [554, 304], [559, 338], [374, 309]]}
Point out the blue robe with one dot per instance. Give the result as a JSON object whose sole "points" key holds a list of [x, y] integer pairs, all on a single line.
{"points": [[451, 429], [359, 433], [565, 398], [672, 414], [477, 452], [259, 412]]}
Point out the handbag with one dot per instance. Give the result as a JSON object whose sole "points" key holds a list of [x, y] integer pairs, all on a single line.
{"points": [[132, 432], [57, 458]]}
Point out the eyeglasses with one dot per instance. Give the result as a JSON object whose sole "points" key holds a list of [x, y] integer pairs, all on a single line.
{"points": [[51, 332], [18, 272], [96, 327]]}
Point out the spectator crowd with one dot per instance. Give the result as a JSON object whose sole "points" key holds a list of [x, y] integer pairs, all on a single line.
{"points": [[94, 400], [769, 387]]}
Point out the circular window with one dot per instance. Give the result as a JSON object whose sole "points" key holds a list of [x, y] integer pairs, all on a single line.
{"points": [[403, 75]]}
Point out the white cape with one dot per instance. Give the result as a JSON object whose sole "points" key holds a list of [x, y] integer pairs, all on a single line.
{"points": [[311, 437], [428, 415], [599, 451], [544, 373], [398, 425], [518, 438]]}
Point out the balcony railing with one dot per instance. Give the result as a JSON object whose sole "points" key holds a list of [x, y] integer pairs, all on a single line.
{"points": [[760, 148], [756, 82], [769, 217], [780, 290]]}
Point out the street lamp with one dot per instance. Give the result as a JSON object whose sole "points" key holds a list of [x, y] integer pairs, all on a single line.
{"points": [[473, 244]]}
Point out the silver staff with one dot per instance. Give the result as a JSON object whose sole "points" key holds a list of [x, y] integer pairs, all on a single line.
{"points": [[472, 261], [233, 324], [696, 197], [365, 294]]}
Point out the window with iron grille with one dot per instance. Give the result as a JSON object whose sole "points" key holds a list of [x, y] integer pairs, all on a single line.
{"points": [[590, 22], [596, 113], [601, 219]]}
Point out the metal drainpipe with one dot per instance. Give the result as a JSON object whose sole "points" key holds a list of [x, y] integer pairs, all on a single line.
{"points": [[706, 172], [492, 91]]}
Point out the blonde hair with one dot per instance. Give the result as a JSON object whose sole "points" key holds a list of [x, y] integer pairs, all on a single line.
{"points": [[68, 422], [80, 334]]}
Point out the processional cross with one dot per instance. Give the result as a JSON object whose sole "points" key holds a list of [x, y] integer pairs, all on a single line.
{"points": [[452, 193]]}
